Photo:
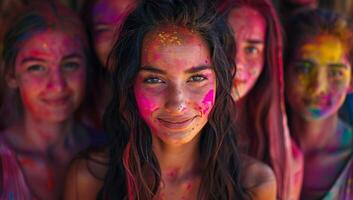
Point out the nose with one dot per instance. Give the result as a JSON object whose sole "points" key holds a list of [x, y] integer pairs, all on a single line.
{"points": [[176, 100], [57, 81], [318, 83]]}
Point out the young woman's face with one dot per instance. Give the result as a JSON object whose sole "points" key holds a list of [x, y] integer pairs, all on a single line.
{"points": [[318, 77], [50, 73], [107, 16], [176, 85], [249, 29]]}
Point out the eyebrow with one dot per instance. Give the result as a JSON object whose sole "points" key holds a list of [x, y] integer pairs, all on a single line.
{"points": [[152, 69], [305, 61], [254, 41], [198, 68], [333, 65], [189, 71], [32, 59], [35, 59], [72, 56], [338, 65]]}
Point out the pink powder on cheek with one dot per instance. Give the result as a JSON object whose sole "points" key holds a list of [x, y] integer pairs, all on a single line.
{"points": [[146, 105], [207, 102]]}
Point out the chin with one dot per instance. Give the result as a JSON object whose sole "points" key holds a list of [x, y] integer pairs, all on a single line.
{"points": [[58, 117], [177, 138], [316, 114]]}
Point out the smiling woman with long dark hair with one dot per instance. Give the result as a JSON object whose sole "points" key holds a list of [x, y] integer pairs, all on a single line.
{"points": [[171, 121]]}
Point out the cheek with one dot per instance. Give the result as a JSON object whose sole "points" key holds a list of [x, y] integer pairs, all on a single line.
{"points": [[301, 83], [207, 102], [77, 82], [256, 70], [344, 82], [147, 104], [339, 90], [251, 67], [103, 38], [103, 44], [29, 95], [30, 87]]}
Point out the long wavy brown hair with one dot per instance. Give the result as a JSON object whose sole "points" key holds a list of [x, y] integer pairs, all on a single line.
{"points": [[264, 124], [134, 171]]}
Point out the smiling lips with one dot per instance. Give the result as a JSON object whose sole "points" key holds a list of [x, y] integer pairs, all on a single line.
{"points": [[318, 102], [176, 123], [57, 102]]}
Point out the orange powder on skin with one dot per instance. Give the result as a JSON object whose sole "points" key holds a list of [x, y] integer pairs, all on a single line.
{"points": [[321, 78], [324, 50]]}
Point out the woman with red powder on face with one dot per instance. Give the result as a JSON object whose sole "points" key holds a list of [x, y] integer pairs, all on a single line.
{"points": [[171, 121], [318, 76], [45, 59], [258, 91]]}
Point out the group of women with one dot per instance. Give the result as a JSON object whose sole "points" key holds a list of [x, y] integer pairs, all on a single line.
{"points": [[175, 99]]}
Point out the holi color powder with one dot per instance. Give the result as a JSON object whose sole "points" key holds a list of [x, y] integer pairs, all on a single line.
{"points": [[316, 113]]}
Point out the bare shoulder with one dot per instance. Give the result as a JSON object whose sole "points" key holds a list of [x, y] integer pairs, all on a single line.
{"points": [[259, 179], [85, 176]]}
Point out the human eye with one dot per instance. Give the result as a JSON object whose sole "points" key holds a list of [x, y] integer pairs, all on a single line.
{"points": [[36, 68], [152, 80], [336, 73], [251, 50], [197, 78], [303, 68], [70, 66]]}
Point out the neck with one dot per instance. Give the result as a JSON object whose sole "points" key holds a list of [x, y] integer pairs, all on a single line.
{"points": [[178, 162], [315, 134], [42, 134]]}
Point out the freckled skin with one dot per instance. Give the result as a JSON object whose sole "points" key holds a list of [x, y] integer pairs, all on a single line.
{"points": [[175, 99], [316, 88], [250, 56], [51, 86], [177, 96], [107, 16]]}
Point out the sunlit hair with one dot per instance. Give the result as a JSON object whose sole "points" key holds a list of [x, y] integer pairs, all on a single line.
{"points": [[134, 171], [38, 17], [316, 22], [264, 130]]}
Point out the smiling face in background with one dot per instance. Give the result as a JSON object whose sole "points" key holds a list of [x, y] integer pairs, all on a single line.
{"points": [[107, 17], [176, 85], [50, 73], [318, 78], [249, 29]]}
